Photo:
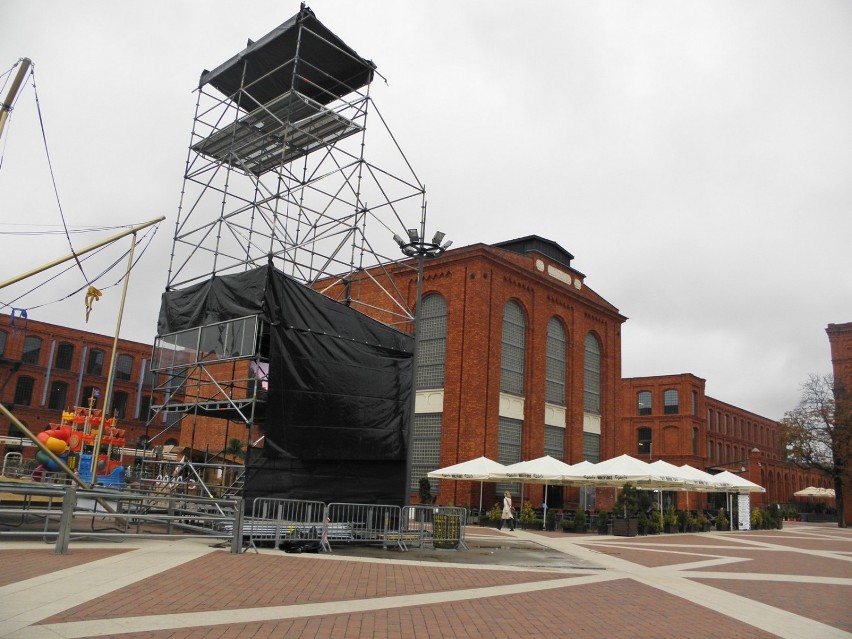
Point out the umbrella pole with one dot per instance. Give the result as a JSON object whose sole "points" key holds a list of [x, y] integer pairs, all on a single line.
{"points": [[544, 510], [480, 501]]}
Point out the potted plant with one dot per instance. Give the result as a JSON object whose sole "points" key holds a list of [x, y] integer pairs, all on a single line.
{"points": [[527, 518], [568, 524], [702, 522], [722, 521], [626, 512], [603, 523], [495, 513], [670, 519], [550, 520], [580, 521], [655, 522]]}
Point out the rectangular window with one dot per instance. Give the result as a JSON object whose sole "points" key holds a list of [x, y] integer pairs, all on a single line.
{"points": [[95, 365], [554, 442], [32, 349], [58, 395], [695, 402], [24, 390], [64, 355], [509, 438], [2, 343], [426, 449], [591, 447], [694, 441], [124, 367]]}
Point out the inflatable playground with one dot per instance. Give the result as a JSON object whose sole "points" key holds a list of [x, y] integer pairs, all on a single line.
{"points": [[73, 441]]}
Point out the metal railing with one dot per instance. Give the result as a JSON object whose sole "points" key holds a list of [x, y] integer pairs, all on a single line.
{"points": [[60, 514]]}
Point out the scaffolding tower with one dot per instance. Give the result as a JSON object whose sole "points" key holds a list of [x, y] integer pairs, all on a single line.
{"points": [[277, 174]]}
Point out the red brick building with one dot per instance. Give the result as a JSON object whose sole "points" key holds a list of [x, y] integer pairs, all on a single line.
{"points": [[669, 417], [518, 358], [840, 341], [47, 368]]}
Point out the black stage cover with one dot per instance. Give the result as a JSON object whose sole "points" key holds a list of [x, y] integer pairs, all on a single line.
{"points": [[328, 67], [339, 396]]}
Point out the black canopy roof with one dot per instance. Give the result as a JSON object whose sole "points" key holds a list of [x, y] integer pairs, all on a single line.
{"points": [[327, 67]]}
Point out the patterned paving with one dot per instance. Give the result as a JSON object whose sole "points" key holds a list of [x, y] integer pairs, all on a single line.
{"points": [[793, 583]]}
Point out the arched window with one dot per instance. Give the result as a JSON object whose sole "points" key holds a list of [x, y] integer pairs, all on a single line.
{"points": [[644, 398], [95, 365], [88, 393], [671, 402], [432, 342], [64, 356], [592, 375], [24, 390], [58, 396], [555, 373], [119, 404], [32, 349], [123, 367], [513, 352]]}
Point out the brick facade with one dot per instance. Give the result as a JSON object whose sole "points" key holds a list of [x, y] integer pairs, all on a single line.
{"points": [[57, 374], [840, 342]]}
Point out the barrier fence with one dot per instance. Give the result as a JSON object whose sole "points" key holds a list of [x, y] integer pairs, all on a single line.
{"points": [[60, 514]]}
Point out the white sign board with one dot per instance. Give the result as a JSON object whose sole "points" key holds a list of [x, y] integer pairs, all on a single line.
{"points": [[744, 507]]}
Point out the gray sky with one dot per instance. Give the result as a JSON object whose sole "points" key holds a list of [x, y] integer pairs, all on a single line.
{"points": [[695, 157]]}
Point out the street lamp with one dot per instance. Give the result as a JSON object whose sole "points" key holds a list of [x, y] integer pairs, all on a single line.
{"points": [[418, 247]]}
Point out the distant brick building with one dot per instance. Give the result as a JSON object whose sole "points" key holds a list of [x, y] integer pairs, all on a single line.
{"points": [[669, 417], [840, 341], [48, 368]]}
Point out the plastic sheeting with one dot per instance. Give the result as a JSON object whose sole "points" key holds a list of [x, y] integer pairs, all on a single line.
{"points": [[328, 69], [339, 395]]}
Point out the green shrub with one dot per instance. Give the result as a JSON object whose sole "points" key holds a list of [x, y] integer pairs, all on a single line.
{"points": [[722, 521]]}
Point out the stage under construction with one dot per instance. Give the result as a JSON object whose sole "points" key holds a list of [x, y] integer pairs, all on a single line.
{"points": [[283, 316]]}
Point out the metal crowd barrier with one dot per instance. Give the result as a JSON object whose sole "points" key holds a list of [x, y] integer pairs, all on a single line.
{"points": [[60, 514], [440, 526], [364, 524], [276, 520]]}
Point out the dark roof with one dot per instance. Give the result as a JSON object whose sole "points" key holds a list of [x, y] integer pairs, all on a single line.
{"points": [[548, 248], [328, 67]]}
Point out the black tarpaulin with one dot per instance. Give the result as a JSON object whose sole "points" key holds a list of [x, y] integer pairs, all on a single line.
{"points": [[339, 390], [329, 68]]}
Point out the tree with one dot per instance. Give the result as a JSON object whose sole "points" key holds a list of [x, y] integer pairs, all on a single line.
{"points": [[235, 449], [818, 433], [424, 491]]}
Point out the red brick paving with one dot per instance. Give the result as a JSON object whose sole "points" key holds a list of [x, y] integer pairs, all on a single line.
{"points": [[221, 581], [784, 563], [579, 613], [19, 565], [823, 603]]}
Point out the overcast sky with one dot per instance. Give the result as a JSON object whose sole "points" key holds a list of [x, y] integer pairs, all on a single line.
{"points": [[694, 157]]}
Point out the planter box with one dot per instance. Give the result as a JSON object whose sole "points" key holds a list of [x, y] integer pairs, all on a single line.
{"points": [[625, 527]]}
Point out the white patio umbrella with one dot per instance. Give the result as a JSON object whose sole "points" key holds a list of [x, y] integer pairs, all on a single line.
{"points": [[670, 470], [731, 483], [473, 469], [542, 470], [617, 471], [699, 481], [624, 468], [814, 491]]}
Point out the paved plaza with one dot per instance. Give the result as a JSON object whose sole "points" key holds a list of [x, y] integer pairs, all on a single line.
{"points": [[794, 583]]}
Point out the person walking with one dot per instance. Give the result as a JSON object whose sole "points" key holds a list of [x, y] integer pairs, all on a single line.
{"points": [[508, 515]]}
